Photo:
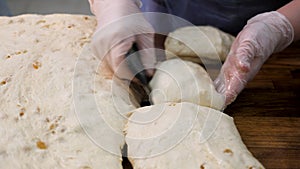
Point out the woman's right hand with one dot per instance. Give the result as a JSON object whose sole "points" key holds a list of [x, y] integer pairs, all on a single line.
{"points": [[120, 24]]}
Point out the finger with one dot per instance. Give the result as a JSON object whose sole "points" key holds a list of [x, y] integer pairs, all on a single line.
{"points": [[230, 97], [235, 85], [245, 50], [148, 58], [219, 84], [237, 67], [243, 62], [118, 62]]}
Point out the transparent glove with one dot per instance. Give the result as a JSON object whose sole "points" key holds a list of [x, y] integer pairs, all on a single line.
{"points": [[264, 34], [120, 24]]}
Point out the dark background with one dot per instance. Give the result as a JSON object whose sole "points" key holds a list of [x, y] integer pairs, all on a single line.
{"points": [[48, 6]]}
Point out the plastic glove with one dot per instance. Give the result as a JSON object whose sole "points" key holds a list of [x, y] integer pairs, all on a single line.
{"points": [[120, 24], [264, 34]]}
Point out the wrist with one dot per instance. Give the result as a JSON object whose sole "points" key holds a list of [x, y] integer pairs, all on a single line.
{"points": [[291, 12], [277, 23]]}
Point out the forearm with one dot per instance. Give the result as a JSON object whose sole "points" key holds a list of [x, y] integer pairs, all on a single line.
{"points": [[292, 12]]}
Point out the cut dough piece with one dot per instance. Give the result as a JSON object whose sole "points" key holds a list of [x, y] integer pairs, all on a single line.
{"points": [[185, 135], [177, 80], [39, 127], [192, 43], [105, 98]]}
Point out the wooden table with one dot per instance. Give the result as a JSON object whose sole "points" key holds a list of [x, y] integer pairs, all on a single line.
{"points": [[267, 112]]}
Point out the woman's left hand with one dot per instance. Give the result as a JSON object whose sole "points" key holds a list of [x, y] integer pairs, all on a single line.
{"points": [[264, 34]]}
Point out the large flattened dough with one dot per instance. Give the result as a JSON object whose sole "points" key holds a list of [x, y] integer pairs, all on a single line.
{"points": [[195, 42], [185, 135], [39, 124], [178, 81]]}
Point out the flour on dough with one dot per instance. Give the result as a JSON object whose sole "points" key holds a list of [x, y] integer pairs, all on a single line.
{"points": [[178, 81], [185, 135], [39, 126], [195, 42]]}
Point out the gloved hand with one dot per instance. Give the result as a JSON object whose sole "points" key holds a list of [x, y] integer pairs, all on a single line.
{"points": [[120, 24], [264, 34]]}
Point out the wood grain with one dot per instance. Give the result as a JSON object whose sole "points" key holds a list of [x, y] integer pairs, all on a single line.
{"points": [[267, 112]]}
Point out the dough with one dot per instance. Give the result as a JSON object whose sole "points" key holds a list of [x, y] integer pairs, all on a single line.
{"points": [[60, 109], [185, 135], [177, 80], [40, 125], [192, 43]]}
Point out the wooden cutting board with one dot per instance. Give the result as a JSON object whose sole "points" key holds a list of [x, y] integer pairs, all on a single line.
{"points": [[267, 112]]}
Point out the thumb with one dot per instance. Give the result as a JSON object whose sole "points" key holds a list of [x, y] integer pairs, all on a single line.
{"points": [[117, 60], [147, 52]]}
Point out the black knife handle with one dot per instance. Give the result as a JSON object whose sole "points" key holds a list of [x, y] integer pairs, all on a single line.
{"points": [[135, 64]]}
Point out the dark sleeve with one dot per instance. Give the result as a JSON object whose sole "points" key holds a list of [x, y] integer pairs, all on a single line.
{"points": [[228, 15], [4, 10]]}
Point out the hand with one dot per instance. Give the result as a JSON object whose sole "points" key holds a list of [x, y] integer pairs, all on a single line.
{"points": [[264, 34], [120, 24]]}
